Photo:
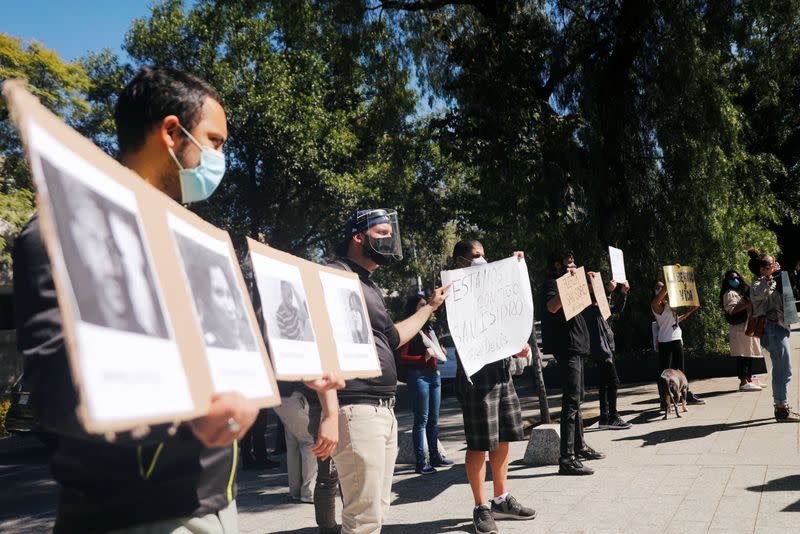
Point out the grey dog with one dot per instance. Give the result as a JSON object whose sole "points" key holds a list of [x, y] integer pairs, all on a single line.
{"points": [[674, 391]]}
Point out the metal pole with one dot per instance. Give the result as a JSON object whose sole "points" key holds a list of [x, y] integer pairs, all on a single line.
{"points": [[538, 380]]}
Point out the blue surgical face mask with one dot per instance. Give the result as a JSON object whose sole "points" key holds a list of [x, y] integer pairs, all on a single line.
{"points": [[200, 183], [734, 283]]}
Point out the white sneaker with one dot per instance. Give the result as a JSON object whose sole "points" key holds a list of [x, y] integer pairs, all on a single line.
{"points": [[749, 386]]}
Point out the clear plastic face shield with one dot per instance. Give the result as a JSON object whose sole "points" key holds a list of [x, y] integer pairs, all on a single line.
{"points": [[383, 235]]}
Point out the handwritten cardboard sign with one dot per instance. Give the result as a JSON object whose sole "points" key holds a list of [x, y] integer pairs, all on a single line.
{"points": [[574, 293], [600, 295], [680, 286], [489, 311]]}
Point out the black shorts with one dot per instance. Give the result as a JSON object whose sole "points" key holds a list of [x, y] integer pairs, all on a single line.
{"points": [[490, 407]]}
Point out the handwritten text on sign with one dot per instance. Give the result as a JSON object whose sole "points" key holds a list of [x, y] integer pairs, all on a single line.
{"points": [[489, 311], [574, 293], [680, 286]]}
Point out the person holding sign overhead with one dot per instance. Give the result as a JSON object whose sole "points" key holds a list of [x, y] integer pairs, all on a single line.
{"points": [[367, 450], [492, 419], [670, 337], [171, 128], [568, 340]]}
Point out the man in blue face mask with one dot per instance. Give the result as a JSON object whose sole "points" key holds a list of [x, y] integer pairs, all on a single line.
{"points": [[171, 128]]}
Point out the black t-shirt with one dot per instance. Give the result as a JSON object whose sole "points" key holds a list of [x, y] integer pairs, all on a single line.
{"points": [[560, 336], [386, 340], [101, 488]]}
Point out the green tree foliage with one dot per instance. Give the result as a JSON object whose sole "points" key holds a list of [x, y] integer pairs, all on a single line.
{"points": [[597, 123], [669, 130], [318, 102], [61, 87]]}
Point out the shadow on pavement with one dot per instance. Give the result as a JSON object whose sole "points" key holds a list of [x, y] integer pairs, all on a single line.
{"points": [[423, 488], [669, 435], [430, 527], [703, 395], [787, 483]]}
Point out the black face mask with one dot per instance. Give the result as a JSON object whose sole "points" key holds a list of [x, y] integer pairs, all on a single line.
{"points": [[382, 243]]}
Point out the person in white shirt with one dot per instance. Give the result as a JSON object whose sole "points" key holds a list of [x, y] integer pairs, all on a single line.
{"points": [[670, 336]]}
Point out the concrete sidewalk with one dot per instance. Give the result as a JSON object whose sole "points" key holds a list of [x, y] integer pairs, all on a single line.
{"points": [[723, 467]]}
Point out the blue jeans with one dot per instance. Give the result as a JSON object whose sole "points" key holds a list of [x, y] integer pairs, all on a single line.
{"points": [[425, 391], [776, 341]]}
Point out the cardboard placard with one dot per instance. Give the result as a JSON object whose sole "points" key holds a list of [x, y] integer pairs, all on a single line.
{"points": [[680, 286], [600, 296], [349, 326], [573, 290], [235, 351], [617, 259], [292, 329], [489, 311], [303, 347], [136, 357]]}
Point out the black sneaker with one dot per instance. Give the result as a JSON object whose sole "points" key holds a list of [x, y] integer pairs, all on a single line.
{"points": [[424, 468], [588, 453], [691, 398], [603, 421], [618, 424], [441, 461], [483, 521], [784, 414], [510, 508], [573, 466]]}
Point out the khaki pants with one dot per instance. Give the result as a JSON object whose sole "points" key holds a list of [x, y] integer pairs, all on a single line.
{"points": [[365, 459], [223, 522], [301, 464]]}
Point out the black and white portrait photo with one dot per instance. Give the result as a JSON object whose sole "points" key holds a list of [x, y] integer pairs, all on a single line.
{"points": [[285, 309], [216, 295], [354, 313], [104, 254]]}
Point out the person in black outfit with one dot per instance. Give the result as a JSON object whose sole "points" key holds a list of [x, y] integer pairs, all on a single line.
{"points": [[568, 341], [601, 339]]}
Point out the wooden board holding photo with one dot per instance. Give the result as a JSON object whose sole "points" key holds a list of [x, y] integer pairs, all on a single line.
{"points": [[350, 330], [236, 354], [134, 353], [302, 328]]}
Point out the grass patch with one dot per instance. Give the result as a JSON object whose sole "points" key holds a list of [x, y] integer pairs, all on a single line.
{"points": [[5, 404]]}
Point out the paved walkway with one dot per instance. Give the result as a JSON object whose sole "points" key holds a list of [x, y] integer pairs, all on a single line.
{"points": [[723, 467]]}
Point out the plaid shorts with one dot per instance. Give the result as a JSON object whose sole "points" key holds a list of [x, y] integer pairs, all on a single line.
{"points": [[490, 407]]}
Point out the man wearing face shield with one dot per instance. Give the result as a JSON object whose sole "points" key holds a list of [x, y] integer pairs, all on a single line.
{"points": [[171, 128], [366, 453], [569, 342]]}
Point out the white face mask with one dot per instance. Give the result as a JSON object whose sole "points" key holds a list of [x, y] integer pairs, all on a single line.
{"points": [[480, 260]]}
